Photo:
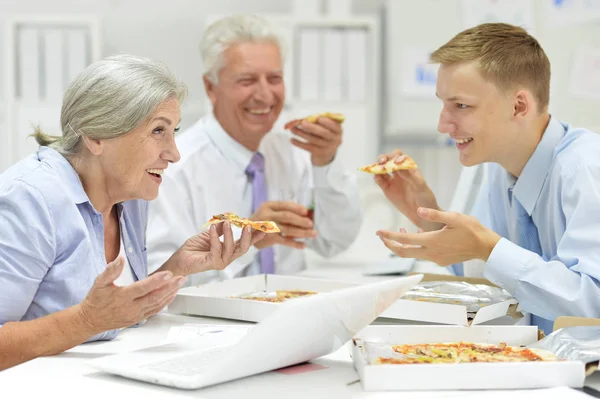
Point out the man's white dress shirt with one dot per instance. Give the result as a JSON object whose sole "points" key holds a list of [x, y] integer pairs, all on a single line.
{"points": [[210, 179]]}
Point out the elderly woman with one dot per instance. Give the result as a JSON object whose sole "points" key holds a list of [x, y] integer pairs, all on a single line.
{"points": [[73, 264]]}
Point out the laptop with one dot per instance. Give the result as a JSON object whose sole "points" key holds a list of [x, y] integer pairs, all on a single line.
{"points": [[300, 330]]}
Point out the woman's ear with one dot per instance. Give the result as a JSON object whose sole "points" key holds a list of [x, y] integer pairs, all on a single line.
{"points": [[94, 146]]}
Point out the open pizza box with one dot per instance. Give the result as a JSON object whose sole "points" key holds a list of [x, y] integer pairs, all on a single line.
{"points": [[416, 312], [472, 376], [215, 299]]}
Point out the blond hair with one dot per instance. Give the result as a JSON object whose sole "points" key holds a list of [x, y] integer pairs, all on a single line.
{"points": [[507, 56]]}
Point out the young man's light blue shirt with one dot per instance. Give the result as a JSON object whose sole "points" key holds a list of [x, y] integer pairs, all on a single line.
{"points": [[52, 238], [560, 189]]}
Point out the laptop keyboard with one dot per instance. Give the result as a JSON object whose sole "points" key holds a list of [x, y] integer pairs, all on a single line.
{"points": [[191, 364]]}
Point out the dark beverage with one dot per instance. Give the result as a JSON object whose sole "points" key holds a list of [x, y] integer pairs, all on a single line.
{"points": [[311, 214]]}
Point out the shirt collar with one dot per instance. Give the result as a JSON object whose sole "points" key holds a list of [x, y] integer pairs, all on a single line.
{"points": [[227, 145], [528, 186], [73, 185]]}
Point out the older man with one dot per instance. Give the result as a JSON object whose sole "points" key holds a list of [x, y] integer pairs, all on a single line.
{"points": [[231, 163]]}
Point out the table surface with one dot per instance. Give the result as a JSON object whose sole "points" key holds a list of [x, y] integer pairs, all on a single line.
{"points": [[69, 375]]}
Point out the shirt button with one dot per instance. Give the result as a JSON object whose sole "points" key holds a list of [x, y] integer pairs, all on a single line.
{"points": [[130, 250]]}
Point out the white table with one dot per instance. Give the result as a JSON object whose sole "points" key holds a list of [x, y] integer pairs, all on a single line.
{"points": [[68, 375]]}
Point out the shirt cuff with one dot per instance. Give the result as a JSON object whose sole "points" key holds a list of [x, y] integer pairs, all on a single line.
{"points": [[330, 175], [506, 264]]}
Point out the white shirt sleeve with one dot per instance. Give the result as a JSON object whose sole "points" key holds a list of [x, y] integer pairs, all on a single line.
{"points": [[338, 215], [170, 222], [177, 214]]}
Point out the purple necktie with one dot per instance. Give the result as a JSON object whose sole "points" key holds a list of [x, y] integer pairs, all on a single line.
{"points": [[256, 172]]}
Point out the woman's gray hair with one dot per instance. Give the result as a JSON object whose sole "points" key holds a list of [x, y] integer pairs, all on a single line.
{"points": [[110, 98], [220, 35]]}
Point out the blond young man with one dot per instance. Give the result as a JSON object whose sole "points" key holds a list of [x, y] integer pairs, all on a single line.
{"points": [[536, 223]]}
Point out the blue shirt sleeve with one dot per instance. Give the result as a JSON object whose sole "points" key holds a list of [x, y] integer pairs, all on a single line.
{"points": [[569, 283], [27, 248]]}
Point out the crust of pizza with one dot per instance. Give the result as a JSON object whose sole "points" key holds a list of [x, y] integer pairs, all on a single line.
{"points": [[340, 118], [262, 225], [389, 167], [546, 355]]}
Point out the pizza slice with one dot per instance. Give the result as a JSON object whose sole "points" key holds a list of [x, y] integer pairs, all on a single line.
{"points": [[390, 166], [313, 119], [221, 217], [235, 220]]}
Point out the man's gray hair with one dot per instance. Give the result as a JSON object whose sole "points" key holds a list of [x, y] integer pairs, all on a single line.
{"points": [[110, 98], [223, 33]]}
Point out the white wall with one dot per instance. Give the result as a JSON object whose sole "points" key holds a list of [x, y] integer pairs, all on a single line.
{"points": [[167, 30]]}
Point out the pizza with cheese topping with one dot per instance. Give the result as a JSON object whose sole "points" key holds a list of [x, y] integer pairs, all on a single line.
{"points": [[262, 225], [390, 166], [277, 296], [313, 119], [463, 352]]}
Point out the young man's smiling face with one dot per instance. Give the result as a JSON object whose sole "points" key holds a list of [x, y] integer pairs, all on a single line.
{"points": [[476, 113]]}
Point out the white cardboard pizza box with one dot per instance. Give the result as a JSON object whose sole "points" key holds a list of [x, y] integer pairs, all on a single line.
{"points": [[442, 313], [417, 377], [214, 300]]}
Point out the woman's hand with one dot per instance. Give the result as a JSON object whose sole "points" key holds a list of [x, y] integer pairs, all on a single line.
{"points": [[108, 306], [205, 251]]}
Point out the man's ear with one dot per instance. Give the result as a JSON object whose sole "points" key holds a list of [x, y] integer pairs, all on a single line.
{"points": [[523, 104], [94, 146], [209, 87]]}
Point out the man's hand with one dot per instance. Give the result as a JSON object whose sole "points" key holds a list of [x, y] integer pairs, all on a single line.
{"points": [[462, 238], [205, 251], [292, 221], [407, 190], [322, 139]]}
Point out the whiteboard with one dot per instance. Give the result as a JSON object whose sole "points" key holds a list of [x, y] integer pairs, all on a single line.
{"points": [[431, 23]]}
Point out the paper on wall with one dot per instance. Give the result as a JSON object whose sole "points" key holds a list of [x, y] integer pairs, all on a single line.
{"points": [[585, 74], [515, 12], [418, 75], [571, 12]]}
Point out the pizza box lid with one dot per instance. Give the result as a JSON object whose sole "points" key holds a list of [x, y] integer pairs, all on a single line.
{"points": [[214, 299], [403, 377], [571, 321], [442, 313]]}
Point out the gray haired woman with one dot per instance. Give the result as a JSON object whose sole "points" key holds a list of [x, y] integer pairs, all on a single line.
{"points": [[73, 264]]}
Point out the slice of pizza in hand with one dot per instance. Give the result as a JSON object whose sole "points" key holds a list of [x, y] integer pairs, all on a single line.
{"points": [[263, 225], [266, 226], [221, 217], [390, 166], [313, 119]]}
